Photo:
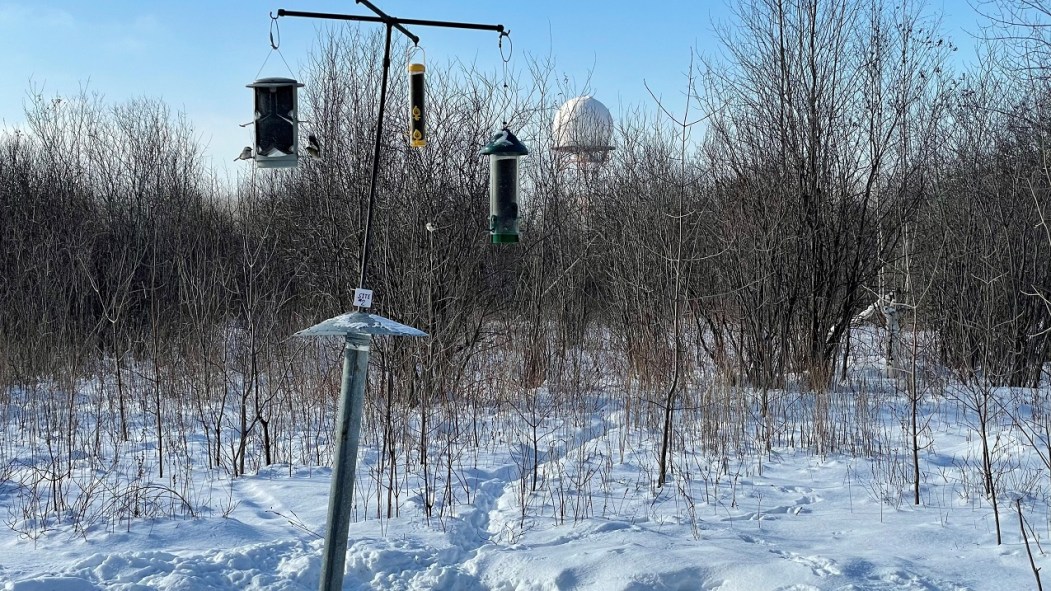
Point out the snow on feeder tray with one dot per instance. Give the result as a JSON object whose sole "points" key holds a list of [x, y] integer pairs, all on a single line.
{"points": [[503, 150], [276, 122]]}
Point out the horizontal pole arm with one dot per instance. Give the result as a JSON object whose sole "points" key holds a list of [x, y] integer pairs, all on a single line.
{"points": [[451, 25], [396, 22], [350, 17]]}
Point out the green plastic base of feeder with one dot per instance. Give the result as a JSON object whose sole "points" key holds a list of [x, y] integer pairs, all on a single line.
{"points": [[503, 238]]}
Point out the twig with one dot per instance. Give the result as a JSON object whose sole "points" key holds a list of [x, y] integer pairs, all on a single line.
{"points": [[1028, 550]]}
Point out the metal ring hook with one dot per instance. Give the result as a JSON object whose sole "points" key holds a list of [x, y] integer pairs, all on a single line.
{"points": [[273, 26], [510, 46], [506, 59]]}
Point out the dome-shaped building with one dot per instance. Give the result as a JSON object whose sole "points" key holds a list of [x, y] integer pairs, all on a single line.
{"points": [[583, 127]]}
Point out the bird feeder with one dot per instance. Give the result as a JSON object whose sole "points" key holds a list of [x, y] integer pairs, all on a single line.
{"points": [[503, 150], [417, 132], [276, 122]]}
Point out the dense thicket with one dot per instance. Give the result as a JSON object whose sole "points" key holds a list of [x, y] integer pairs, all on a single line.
{"points": [[833, 154]]}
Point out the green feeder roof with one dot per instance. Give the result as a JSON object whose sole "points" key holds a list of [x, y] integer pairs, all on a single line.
{"points": [[274, 82], [504, 143]]}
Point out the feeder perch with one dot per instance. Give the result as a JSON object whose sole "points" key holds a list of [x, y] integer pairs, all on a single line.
{"points": [[503, 150], [276, 122]]}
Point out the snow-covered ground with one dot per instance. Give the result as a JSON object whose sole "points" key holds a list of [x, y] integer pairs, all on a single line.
{"points": [[788, 519]]}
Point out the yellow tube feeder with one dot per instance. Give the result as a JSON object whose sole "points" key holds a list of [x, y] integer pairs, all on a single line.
{"points": [[417, 131]]}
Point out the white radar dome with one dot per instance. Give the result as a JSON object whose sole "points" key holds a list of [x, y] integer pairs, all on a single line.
{"points": [[583, 126]]}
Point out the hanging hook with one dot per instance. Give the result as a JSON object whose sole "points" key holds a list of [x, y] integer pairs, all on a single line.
{"points": [[510, 50], [415, 50], [506, 59], [510, 46], [275, 44], [274, 26]]}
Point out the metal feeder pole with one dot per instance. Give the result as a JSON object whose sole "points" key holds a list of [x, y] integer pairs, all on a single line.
{"points": [[358, 327], [352, 399]]}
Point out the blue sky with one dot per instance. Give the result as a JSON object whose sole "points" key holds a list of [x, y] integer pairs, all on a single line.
{"points": [[197, 55]]}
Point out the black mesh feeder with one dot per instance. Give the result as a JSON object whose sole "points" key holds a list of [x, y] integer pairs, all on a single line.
{"points": [[503, 150], [276, 122], [417, 121]]}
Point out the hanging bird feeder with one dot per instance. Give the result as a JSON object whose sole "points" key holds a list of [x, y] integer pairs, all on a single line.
{"points": [[276, 122], [503, 150], [417, 129]]}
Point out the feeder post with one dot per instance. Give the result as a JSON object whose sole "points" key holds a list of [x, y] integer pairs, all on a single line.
{"points": [[348, 433], [357, 330], [359, 326]]}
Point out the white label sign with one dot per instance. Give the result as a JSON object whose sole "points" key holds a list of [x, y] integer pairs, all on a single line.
{"points": [[362, 297]]}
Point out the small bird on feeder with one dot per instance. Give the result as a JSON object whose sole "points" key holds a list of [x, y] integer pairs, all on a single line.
{"points": [[313, 147], [246, 154]]}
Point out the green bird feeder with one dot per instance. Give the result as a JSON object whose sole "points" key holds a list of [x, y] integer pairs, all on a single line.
{"points": [[503, 151]]}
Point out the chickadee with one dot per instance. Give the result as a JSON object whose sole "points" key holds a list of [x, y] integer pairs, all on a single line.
{"points": [[430, 227], [313, 147], [246, 154]]}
